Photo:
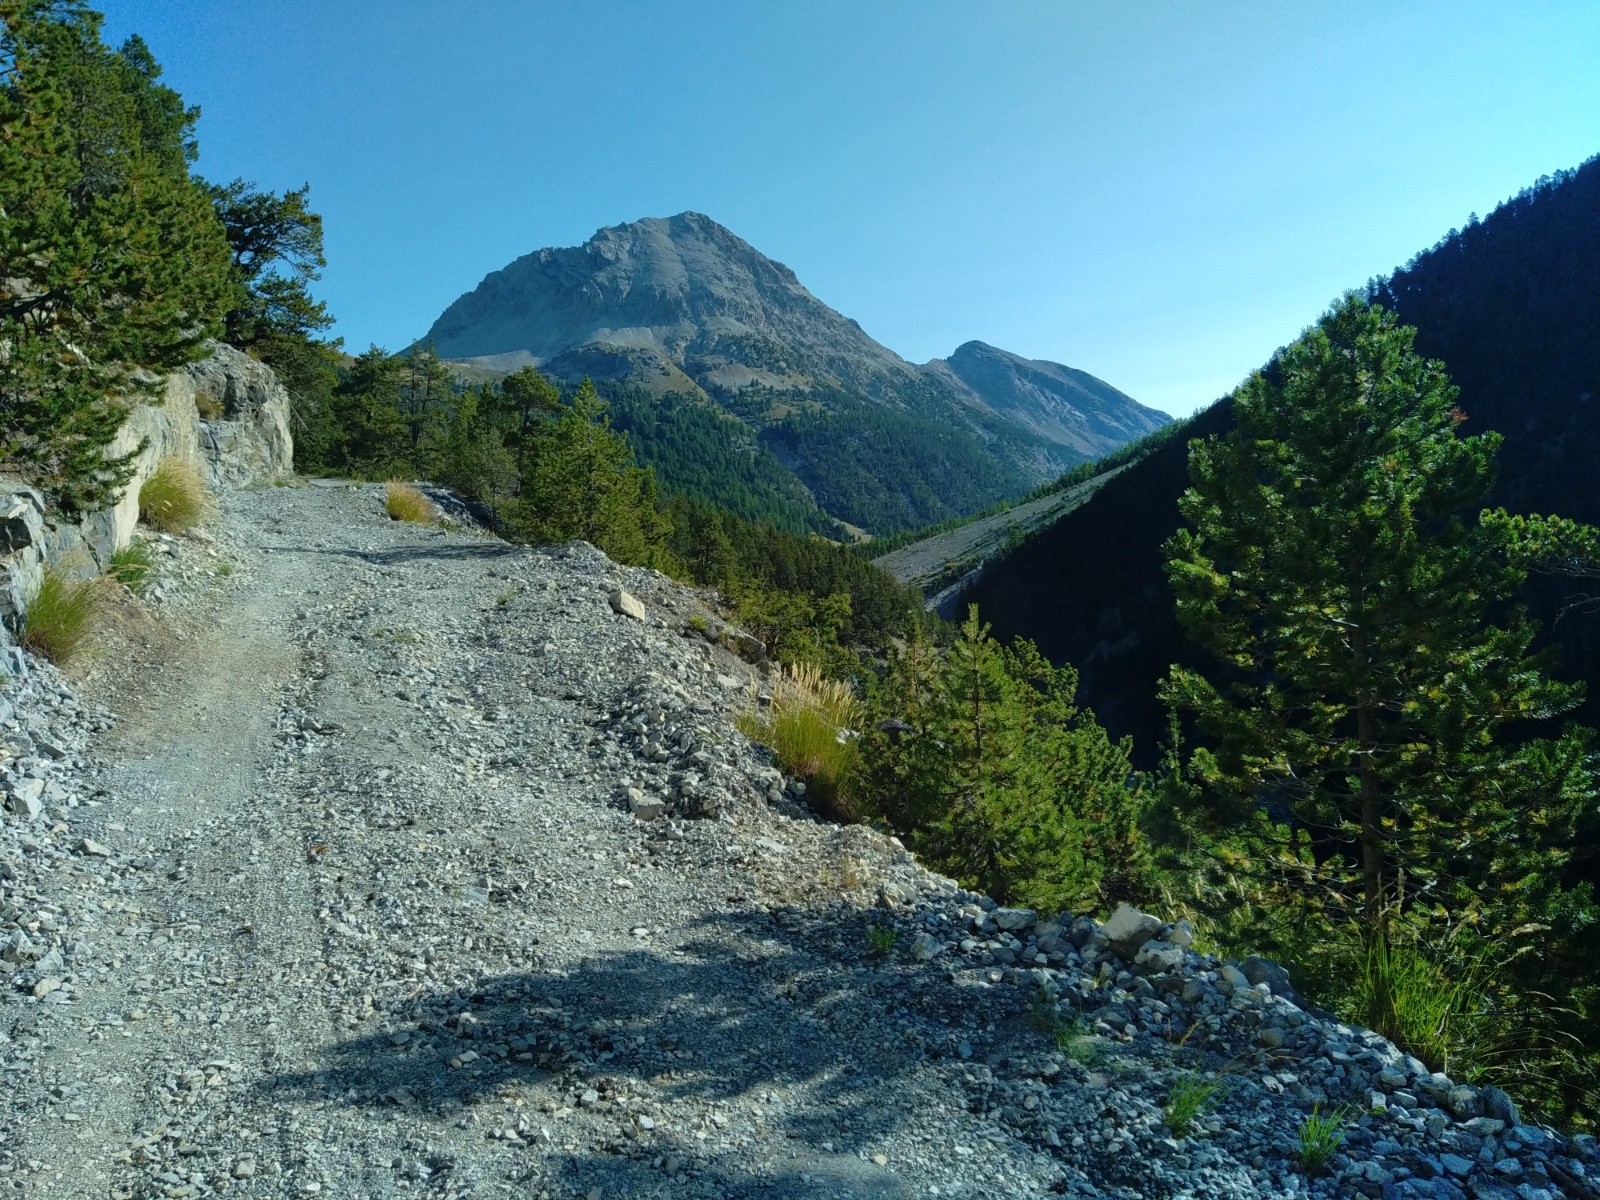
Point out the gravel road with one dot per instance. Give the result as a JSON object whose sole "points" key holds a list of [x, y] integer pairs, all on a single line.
{"points": [[407, 866]]}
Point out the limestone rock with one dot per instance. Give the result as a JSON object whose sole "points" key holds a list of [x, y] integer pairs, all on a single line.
{"points": [[1128, 929], [626, 604]]}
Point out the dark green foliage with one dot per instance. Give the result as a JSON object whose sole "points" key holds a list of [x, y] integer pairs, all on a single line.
{"points": [[699, 451], [1367, 687], [1509, 304], [112, 258], [579, 480], [371, 439], [1368, 734], [473, 456], [885, 469], [276, 244], [786, 584], [982, 759]]}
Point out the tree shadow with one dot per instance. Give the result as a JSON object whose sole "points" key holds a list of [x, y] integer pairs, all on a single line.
{"points": [[742, 1008]]}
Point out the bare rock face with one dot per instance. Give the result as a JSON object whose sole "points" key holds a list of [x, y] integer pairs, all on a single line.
{"points": [[250, 441], [247, 441]]}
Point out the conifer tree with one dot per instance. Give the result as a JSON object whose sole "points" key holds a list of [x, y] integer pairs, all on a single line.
{"points": [[982, 759], [1374, 675], [580, 481], [112, 264], [373, 439]]}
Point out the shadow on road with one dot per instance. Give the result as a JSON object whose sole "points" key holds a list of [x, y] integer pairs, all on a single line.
{"points": [[742, 1008]]}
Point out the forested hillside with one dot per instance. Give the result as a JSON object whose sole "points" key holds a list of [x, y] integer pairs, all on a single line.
{"points": [[1511, 304]]}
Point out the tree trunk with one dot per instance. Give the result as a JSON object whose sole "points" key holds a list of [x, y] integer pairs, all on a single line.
{"points": [[1371, 828]]}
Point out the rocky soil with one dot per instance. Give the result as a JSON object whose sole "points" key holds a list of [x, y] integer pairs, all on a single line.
{"points": [[374, 860]]}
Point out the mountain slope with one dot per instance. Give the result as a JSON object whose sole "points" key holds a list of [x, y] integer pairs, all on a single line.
{"points": [[1512, 307], [681, 305], [1060, 404]]}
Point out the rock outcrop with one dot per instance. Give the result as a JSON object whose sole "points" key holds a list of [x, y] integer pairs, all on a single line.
{"points": [[245, 439]]}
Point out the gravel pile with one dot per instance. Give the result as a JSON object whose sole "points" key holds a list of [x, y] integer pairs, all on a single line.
{"points": [[429, 866]]}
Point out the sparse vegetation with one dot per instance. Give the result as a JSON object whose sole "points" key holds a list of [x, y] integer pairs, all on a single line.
{"points": [[131, 566], [208, 406], [881, 940], [699, 622], [1190, 1097], [61, 620], [505, 597], [1074, 1039], [809, 729], [173, 499], [1320, 1138], [403, 502]]}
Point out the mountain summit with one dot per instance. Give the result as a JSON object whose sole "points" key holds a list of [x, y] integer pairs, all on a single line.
{"points": [[682, 307]]}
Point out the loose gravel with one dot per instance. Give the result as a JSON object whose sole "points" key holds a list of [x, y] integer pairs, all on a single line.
{"points": [[397, 862]]}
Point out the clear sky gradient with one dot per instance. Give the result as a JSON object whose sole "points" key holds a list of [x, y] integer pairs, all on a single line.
{"points": [[1158, 193]]}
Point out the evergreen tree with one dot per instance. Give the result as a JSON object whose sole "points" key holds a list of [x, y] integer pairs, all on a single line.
{"points": [[473, 458], [982, 759], [580, 481], [525, 398], [373, 439], [112, 264], [427, 395], [1373, 672]]}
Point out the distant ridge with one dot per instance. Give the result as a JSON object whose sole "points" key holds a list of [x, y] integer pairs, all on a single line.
{"points": [[681, 306]]}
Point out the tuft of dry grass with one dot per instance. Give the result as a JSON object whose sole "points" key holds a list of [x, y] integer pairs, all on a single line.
{"points": [[405, 503], [208, 406], [173, 499], [63, 617], [809, 730]]}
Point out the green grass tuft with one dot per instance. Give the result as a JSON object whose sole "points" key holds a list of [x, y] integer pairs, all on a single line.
{"points": [[1320, 1138], [173, 499], [881, 940], [1190, 1096], [62, 618], [1424, 1004], [806, 730], [131, 566]]}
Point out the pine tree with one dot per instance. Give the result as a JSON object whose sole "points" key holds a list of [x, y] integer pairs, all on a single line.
{"points": [[982, 759], [373, 440], [580, 481], [1374, 674], [112, 264]]}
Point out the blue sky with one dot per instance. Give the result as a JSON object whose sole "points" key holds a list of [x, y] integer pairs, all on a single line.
{"points": [[1158, 193]]}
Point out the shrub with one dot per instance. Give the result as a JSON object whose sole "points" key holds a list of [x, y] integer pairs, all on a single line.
{"points": [[1320, 1138], [405, 503], [809, 732], [1075, 1040], [62, 617], [881, 940], [173, 498], [131, 566], [1190, 1096]]}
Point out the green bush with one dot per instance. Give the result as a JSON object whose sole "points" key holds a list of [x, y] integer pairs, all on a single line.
{"points": [[62, 618], [980, 758], [173, 499]]}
